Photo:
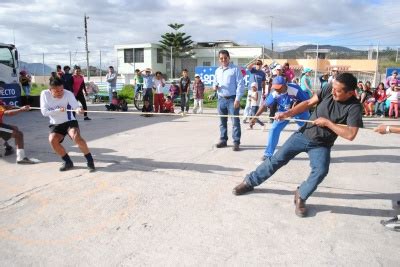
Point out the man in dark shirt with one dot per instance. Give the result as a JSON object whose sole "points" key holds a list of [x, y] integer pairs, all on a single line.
{"points": [[338, 113], [67, 79]]}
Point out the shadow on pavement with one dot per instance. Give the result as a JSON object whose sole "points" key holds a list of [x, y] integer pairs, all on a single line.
{"points": [[121, 163], [314, 209]]}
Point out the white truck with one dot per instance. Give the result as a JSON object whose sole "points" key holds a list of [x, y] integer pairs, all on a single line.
{"points": [[10, 89]]}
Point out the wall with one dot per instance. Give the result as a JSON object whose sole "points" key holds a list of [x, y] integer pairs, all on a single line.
{"points": [[324, 65]]}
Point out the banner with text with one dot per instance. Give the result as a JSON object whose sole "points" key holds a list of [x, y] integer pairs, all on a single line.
{"points": [[10, 94], [207, 75]]}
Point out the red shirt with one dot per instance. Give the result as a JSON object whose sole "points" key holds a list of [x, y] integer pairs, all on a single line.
{"points": [[380, 95], [169, 106], [78, 80]]}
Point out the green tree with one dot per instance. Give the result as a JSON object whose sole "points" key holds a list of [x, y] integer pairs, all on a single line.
{"points": [[177, 42]]}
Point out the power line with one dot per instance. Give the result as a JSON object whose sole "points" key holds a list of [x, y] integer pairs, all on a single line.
{"points": [[367, 30]]}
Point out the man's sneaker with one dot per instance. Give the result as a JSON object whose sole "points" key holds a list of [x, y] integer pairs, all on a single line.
{"points": [[25, 161], [8, 151], [66, 166], [392, 224], [91, 166], [242, 188], [221, 144], [87, 118], [235, 147]]}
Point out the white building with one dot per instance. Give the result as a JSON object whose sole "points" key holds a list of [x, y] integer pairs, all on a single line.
{"points": [[139, 56], [149, 55]]}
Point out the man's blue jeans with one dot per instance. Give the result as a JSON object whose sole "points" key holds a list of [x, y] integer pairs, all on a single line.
{"points": [[225, 107], [111, 89], [319, 162], [276, 129]]}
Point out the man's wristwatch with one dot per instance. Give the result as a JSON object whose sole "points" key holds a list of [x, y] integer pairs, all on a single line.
{"points": [[387, 129]]}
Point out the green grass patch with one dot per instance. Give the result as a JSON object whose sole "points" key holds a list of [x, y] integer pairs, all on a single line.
{"points": [[127, 93], [36, 89]]}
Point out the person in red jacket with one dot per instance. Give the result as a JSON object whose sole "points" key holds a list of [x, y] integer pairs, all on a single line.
{"points": [[168, 105], [288, 73]]}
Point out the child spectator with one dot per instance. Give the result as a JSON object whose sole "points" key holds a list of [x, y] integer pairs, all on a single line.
{"points": [[393, 95], [115, 103], [198, 94], [138, 81], [184, 88], [367, 99], [146, 108], [359, 90], [254, 95], [168, 105], [380, 98], [123, 105], [174, 91], [159, 84]]}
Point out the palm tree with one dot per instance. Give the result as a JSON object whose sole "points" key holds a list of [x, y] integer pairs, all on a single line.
{"points": [[177, 42]]}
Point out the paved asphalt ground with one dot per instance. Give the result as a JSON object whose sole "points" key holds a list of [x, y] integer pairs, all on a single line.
{"points": [[162, 196]]}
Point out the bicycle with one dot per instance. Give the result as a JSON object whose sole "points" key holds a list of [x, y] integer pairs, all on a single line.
{"points": [[138, 99]]}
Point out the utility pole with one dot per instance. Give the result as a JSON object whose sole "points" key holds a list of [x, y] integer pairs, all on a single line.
{"points": [[377, 65], [171, 65], [86, 47], [272, 38], [397, 54], [101, 72]]}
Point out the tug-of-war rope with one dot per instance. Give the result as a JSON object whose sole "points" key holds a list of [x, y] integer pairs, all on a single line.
{"points": [[194, 115]]}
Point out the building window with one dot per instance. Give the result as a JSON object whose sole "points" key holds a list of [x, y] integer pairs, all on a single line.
{"points": [[139, 55], [128, 55], [207, 63], [160, 57]]}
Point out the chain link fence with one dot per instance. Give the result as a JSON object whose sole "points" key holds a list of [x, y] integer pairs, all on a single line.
{"points": [[42, 64], [366, 62]]}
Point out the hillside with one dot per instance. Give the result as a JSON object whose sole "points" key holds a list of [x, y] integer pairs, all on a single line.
{"points": [[35, 68]]}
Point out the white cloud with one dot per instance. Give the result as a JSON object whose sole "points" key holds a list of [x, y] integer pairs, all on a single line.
{"points": [[49, 26]]}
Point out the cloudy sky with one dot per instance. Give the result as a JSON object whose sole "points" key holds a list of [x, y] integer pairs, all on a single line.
{"points": [[45, 26]]}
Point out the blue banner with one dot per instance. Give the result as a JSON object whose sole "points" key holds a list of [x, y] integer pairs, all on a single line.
{"points": [[207, 75], [390, 70], [10, 94]]}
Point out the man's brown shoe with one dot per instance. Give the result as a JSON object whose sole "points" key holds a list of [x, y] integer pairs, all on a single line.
{"points": [[242, 188], [301, 209], [220, 144], [235, 147]]}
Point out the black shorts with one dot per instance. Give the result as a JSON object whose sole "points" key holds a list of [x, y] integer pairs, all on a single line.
{"points": [[63, 127], [6, 131]]}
